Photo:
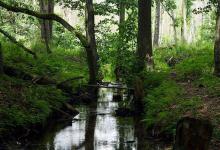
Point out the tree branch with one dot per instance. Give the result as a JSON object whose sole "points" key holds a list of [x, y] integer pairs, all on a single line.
{"points": [[168, 12], [54, 17], [11, 38]]}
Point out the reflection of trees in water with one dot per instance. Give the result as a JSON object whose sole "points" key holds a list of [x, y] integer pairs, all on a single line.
{"points": [[90, 128], [139, 132], [126, 134], [121, 139]]}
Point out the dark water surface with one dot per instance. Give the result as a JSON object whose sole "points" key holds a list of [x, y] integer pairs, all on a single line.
{"points": [[95, 128]]}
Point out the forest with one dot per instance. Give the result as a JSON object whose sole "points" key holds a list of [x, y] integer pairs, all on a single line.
{"points": [[109, 74]]}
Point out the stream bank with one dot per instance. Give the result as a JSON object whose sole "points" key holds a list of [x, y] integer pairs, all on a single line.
{"points": [[95, 127]]}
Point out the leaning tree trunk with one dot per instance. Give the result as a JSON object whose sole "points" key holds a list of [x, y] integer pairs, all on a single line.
{"points": [[1, 60], [92, 55], [144, 50], [217, 43], [157, 24], [46, 7]]}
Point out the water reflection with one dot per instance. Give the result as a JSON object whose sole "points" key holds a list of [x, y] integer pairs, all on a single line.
{"points": [[96, 128]]}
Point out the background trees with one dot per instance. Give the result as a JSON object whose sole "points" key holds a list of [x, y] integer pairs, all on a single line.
{"points": [[115, 30]]}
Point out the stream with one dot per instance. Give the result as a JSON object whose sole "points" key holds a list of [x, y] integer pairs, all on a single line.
{"points": [[94, 128]]}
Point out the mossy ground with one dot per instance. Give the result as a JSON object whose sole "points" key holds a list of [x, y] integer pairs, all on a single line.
{"points": [[23, 103]]}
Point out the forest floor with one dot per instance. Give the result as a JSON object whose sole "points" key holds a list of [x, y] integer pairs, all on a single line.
{"points": [[182, 85], [210, 107]]}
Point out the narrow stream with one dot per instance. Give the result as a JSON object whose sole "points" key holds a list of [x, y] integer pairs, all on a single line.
{"points": [[95, 128]]}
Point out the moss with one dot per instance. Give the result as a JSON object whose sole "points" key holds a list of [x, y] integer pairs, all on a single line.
{"points": [[23, 103]]}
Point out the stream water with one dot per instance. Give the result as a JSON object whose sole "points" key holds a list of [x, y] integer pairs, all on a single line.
{"points": [[95, 128]]}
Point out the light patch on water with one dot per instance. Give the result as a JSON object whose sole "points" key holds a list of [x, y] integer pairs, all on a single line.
{"points": [[96, 128]]}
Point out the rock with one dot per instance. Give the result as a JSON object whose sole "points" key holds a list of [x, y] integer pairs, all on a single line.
{"points": [[193, 134]]}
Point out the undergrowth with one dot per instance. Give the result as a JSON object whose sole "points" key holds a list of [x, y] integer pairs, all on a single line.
{"points": [[165, 105], [166, 101], [61, 64], [23, 103]]}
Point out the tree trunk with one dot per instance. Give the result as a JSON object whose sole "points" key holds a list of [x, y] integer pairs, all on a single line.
{"points": [[121, 16], [171, 14], [1, 60], [92, 55], [46, 7], [183, 24], [157, 24], [217, 43], [51, 10], [174, 30], [144, 50], [121, 39]]}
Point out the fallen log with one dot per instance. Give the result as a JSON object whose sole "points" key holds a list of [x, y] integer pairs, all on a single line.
{"points": [[69, 113], [71, 110], [17, 73], [14, 72], [111, 87], [66, 86]]}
